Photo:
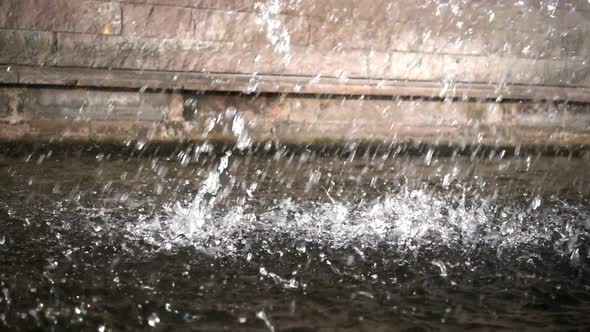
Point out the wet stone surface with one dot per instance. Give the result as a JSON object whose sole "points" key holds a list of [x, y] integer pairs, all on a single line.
{"points": [[294, 243]]}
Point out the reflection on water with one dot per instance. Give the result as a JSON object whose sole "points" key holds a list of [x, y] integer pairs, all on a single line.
{"points": [[294, 242]]}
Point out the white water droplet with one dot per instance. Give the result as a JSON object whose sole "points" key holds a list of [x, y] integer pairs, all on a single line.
{"points": [[262, 316], [447, 180], [153, 320], [536, 203], [442, 267], [269, 18], [231, 112], [428, 157], [241, 132]]}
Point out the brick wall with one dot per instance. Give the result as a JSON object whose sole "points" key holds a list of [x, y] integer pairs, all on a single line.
{"points": [[510, 41]]}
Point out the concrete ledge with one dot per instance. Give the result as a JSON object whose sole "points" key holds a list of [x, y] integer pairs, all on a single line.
{"points": [[253, 84], [59, 114]]}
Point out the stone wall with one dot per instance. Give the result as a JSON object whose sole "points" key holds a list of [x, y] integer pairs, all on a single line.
{"points": [[500, 71], [518, 42]]}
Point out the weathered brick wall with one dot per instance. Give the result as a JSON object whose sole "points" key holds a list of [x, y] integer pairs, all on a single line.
{"points": [[493, 41]]}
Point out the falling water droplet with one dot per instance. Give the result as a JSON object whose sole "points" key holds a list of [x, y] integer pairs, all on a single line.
{"points": [[442, 267], [241, 132], [536, 203], [153, 320], [428, 157], [262, 316]]}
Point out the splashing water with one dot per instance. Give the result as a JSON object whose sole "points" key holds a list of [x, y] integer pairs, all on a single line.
{"points": [[270, 20], [190, 220], [410, 220], [246, 248], [241, 132]]}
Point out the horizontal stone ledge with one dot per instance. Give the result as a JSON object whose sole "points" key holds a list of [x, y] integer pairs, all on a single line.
{"points": [[125, 131], [46, 114], [253, 84]]}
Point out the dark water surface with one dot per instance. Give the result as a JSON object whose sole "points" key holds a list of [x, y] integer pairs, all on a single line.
{"points": [[282, 242]]}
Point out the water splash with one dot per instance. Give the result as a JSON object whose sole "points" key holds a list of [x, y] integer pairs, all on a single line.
{"points": [[408, 220], [442, 267], [262, 316], [189, 221], [270, 20], [241, 132]]}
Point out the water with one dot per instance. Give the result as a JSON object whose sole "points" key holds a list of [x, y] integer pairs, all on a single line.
{"points": [[107, 240]]}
